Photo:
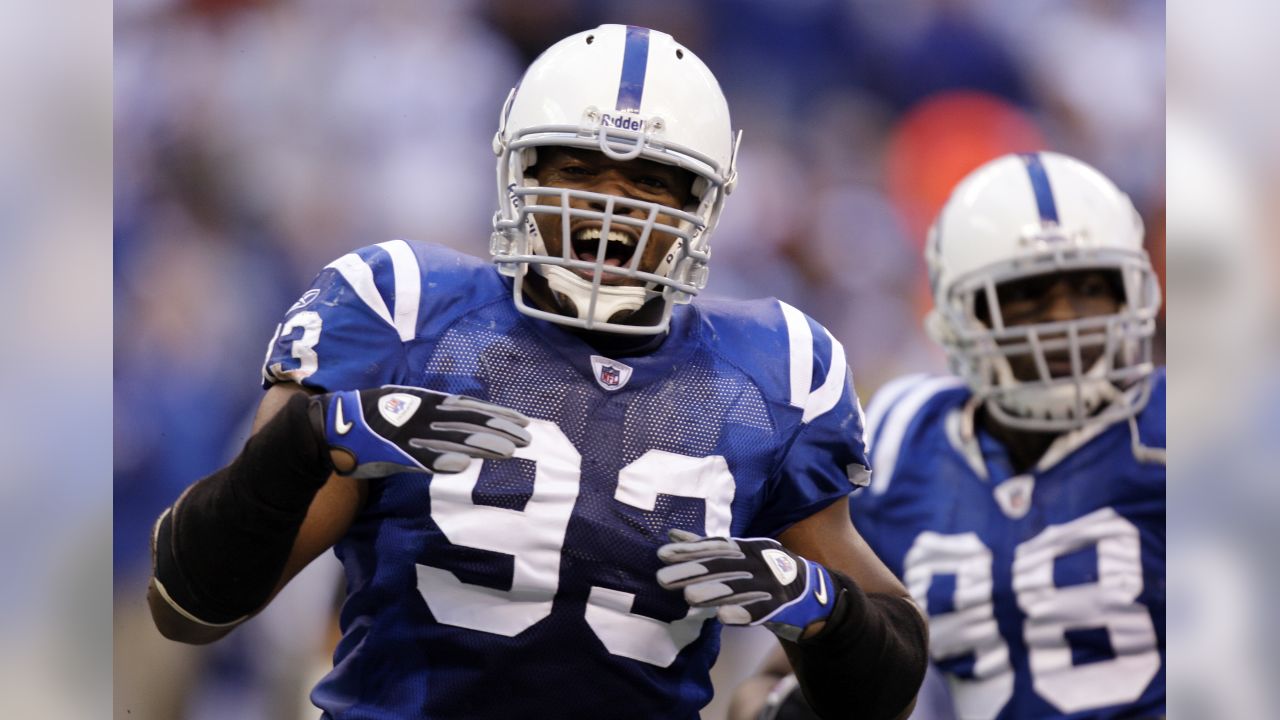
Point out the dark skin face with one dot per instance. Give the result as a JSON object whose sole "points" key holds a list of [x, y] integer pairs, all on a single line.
{"points": [[1056, 298], [637, 179], [1041, 299]]}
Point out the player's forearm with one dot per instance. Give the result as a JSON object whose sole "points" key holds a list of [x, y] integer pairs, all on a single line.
{"points": [[871, 655], [220, 550]]}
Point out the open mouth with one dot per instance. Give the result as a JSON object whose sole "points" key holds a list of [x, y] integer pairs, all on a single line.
{"points": [[619, 249], [1059, 363]]}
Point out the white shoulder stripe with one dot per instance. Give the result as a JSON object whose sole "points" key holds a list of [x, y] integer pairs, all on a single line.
{"points": [[359, 276], [884, 399], [800, 339], [408, 279], [828, 394], [884, 451]]}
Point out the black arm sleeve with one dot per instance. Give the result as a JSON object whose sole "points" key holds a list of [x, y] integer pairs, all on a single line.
{"points": [[220, 549], [868, 661]]}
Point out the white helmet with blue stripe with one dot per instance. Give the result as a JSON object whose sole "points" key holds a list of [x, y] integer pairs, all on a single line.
{"points": [[1034, 214], [628, 92]]}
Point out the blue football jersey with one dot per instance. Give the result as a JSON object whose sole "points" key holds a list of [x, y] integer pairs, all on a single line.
{"points": [[526, 587], [1045, 590]]}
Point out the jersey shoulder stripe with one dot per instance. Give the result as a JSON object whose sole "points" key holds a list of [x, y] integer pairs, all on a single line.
{"points": [[815, 355], [392, 279], [367, 269], [895, 422]]}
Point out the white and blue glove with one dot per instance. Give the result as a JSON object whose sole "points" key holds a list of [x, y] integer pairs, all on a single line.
{"points": [[396, 428], [750, 581]]}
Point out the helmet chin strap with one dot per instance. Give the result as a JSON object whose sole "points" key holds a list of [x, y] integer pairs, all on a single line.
{"points": [[1056, 401], [610, 299]]}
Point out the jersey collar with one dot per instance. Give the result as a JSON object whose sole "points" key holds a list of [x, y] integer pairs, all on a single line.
{"points": [[979, 449]]}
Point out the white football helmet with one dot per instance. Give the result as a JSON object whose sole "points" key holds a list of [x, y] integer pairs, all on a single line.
{"points": [[628, 92], [1026, 215]]}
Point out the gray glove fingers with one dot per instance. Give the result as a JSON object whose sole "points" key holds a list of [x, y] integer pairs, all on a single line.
{"points": [[674, 577], [734, 615], [670, 577], [451, 462], [676, 535], [700, 550], [514, 434], [519, 435], [714, 594], [699, 594], [499, 446], [464, 403], [486, 447]]}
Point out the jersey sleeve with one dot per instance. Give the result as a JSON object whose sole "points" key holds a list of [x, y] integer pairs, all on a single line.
{"points": [[349, 329], [827, 457]]}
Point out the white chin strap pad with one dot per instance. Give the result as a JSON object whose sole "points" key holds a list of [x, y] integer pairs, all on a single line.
{"points": [[610, 299], [1057, 401]]}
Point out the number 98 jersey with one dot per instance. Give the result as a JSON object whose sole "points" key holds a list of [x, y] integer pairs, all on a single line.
{"points": [[526, 587], [1045, 590]]}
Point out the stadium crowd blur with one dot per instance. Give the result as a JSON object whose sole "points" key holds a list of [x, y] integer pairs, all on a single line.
{"points": [[257, 140]]}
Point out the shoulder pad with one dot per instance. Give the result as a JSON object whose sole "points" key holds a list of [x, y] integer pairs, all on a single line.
{"points": [[898, 409]]}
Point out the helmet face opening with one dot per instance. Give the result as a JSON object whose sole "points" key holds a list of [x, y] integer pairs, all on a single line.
{"points": [[589, 95], [1037, 371], [594, 288], [1056, 375]]}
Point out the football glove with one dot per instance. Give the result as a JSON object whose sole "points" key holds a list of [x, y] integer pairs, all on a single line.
{"points": [[395, 429], [750, 581]]}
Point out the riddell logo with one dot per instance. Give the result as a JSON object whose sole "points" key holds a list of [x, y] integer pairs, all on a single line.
{"points": [[622, 122]]}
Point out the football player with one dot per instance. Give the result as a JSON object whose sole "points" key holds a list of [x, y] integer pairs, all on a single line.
{"points": [[1023, 502], [647, 465]]}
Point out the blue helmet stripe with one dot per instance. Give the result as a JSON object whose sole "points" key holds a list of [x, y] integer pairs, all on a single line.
{"points": [[1040, 186], [635, 60]]}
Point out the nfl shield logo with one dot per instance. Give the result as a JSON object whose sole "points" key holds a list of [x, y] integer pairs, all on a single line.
{"points": [[397, 408], [610, 374], [1014, 495]]}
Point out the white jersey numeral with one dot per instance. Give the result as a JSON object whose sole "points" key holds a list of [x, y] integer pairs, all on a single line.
{"points": [[971, 626], [535, 538], [639, 483], [1110, 602], [303, 349]]}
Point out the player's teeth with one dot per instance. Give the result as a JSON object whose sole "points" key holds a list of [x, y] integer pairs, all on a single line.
{"points": [[614, 236]]}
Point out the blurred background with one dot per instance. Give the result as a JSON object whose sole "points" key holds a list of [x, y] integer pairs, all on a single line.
{"points": [[257, 140]]}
